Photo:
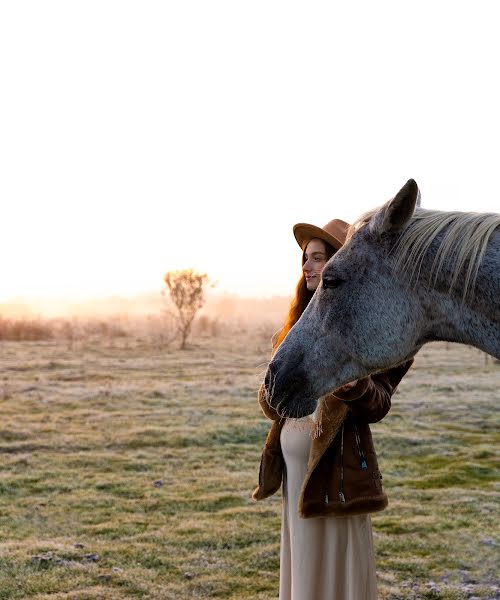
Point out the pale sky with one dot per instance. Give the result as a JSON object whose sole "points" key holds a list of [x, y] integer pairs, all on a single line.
{"points": [[140, 137]]}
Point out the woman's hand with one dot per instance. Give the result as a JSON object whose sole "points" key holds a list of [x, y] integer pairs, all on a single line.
{"points": [[346, 387]]}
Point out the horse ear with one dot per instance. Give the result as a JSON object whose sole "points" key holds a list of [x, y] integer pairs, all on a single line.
{"points": [[400, 209]]}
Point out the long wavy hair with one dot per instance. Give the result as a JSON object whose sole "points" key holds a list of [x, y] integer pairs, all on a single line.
{"points": [[300, 300]]}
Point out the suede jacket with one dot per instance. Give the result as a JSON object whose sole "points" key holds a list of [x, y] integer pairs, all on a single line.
{"points": [[341, 479]]}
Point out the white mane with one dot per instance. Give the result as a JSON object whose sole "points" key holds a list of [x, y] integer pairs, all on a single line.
{"points": [[466, 236]]}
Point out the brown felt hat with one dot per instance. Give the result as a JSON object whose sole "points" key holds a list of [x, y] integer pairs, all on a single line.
{"points": [[334, 233]]}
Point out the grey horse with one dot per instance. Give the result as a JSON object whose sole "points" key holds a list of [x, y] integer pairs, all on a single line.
{"points": [[406, 276]]}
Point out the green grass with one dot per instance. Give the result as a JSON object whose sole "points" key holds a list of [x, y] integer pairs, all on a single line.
{"points": [[126, 472]]}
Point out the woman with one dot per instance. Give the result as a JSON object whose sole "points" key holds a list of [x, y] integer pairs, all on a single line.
{"points": [[327, 463]]}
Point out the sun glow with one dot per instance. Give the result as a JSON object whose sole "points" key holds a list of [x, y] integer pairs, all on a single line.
{"points": [[139, 138]]}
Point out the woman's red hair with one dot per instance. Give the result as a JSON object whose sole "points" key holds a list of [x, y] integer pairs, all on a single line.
{"points": [[300, 300]]}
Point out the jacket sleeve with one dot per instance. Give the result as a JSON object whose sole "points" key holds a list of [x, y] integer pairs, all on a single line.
{"points": [[370, 399], [268, 411]]}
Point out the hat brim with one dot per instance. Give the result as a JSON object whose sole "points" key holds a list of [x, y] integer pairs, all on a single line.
{"points": [[304, 233]]}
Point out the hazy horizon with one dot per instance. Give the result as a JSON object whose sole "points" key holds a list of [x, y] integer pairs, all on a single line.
{"points": [[148, 302]]}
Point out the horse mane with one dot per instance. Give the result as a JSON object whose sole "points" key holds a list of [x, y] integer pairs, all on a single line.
{"points": [[465, 238]]}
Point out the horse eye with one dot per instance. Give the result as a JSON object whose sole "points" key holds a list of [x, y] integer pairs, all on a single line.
{"points": [[332, 282]]}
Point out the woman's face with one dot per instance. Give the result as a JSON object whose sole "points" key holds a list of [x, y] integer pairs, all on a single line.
{"points": [[315, 260]]}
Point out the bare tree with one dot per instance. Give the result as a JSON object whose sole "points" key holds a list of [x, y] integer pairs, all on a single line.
{"points": [[187, 292]]}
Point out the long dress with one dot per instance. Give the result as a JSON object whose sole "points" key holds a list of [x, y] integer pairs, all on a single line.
{"points": [[321, 558]]}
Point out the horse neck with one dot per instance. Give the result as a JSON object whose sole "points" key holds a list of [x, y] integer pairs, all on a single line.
{"points": [[473, 320]]}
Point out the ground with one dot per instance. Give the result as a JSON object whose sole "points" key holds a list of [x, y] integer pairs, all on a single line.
{"points": [[127, 470]]}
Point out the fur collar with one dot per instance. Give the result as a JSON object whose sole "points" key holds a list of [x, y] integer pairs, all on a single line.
{"points": [[333, 413]]}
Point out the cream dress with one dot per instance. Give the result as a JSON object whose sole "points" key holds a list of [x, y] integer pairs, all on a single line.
{"points": [[322, 558]]}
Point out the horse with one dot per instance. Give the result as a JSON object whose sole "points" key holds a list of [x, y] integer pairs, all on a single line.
{"points": [[406, 276]]}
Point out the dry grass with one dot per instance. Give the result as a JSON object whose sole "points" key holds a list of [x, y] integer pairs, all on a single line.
{"points": [[127, 470], [23, 329]]}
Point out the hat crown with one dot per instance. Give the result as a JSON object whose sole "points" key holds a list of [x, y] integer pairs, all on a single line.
{"points": [[338, 229]]}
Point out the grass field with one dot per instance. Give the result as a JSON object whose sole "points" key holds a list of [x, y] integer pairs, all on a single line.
{"points": [[127, 470]]}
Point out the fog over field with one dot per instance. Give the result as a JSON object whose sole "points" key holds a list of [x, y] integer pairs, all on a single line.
{"points": [[128, 465], [222, 306]]}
